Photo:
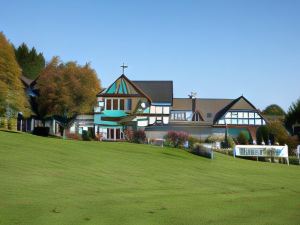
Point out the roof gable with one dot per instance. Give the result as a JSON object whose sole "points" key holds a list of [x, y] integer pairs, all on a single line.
{"points": [[123, 87], [240, 103]]}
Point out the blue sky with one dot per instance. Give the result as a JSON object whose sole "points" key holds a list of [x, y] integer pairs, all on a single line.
{"points": [[220, 49]]}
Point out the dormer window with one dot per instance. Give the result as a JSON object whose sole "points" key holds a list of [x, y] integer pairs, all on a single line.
{"points": [[196, 116]]}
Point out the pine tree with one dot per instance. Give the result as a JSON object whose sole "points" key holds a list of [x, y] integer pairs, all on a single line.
{"points": [[30, 61]]}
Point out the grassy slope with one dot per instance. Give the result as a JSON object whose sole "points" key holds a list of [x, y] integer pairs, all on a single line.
{"points": [[51, 181]]}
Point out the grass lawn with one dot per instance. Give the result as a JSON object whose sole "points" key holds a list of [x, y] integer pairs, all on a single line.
{"points": [[51, 181]]}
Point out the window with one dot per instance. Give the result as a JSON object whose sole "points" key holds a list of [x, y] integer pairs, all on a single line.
{"points": [[221, 121], [129, 104], [108, 104], [188, 116], [196, 116], [158, 110], [159, 120], [115, 104], [121, 104], [112, 134], [151, 120], [234, 121], [258, 122], [166, 110], [178, 115], [118, 136], [234, 115], [152, 109], [228, 115], [242, 118], [166, 120]]}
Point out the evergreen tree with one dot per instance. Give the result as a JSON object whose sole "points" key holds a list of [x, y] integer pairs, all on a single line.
{"points": [[12, 95], [274, 110], [293, 116], [30, 61]]}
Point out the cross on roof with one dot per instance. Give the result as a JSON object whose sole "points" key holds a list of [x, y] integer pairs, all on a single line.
{"points": [[123, 68]]}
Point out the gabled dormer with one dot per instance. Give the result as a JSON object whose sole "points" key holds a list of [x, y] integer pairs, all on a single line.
{"points": [[121, 95], [240, 112]]}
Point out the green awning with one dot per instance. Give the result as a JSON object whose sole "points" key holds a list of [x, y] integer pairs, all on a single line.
{"points": [[113, 113], [108, 123]]}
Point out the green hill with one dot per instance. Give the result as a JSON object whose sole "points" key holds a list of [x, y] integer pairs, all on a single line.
{"points": [[51, 181]]}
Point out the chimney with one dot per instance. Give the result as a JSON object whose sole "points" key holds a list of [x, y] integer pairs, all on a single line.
{"points": [[193, 97]]}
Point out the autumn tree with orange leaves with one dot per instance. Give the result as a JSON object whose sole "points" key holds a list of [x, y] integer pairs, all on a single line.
{"points": [[66, 90]]}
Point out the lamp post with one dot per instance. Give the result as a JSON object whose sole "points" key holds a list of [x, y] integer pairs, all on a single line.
{"points": [[226, 134]]}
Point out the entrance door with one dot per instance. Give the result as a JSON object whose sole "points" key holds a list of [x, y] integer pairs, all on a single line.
{"points": [[114, 134], [118, 134]]}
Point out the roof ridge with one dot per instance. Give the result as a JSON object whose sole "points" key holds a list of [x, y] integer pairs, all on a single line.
{"points": [[206, 98], [152, 80]]}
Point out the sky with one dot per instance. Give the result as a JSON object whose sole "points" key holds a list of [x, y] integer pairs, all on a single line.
{"points": [[219, 49]]}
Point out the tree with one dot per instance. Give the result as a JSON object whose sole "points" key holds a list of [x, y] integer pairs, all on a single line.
{"points": [[12, 95], [274, 110], [293, 116], [277, 132], [262, 135], [30, 61], [242, 138], [66, 90]]}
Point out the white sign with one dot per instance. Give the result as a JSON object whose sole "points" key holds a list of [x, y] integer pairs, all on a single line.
{"points": [[261, 150]]}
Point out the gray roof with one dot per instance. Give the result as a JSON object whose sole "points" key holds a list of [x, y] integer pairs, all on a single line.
{"points": [[159, 91], [207, 107]]}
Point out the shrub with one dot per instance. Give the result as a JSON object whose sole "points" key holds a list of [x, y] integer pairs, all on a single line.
{"points": [[229, 144], [201, 150], [294, 160], [215, 138], [41, 131], [12, 124], [91, 134], [129, 135], [73, 136], [292, 142], [262, 135], [85, 135], [277, 132], [139, 136], [242, 138], [3, 122], [192, 140], [176, 139]]}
